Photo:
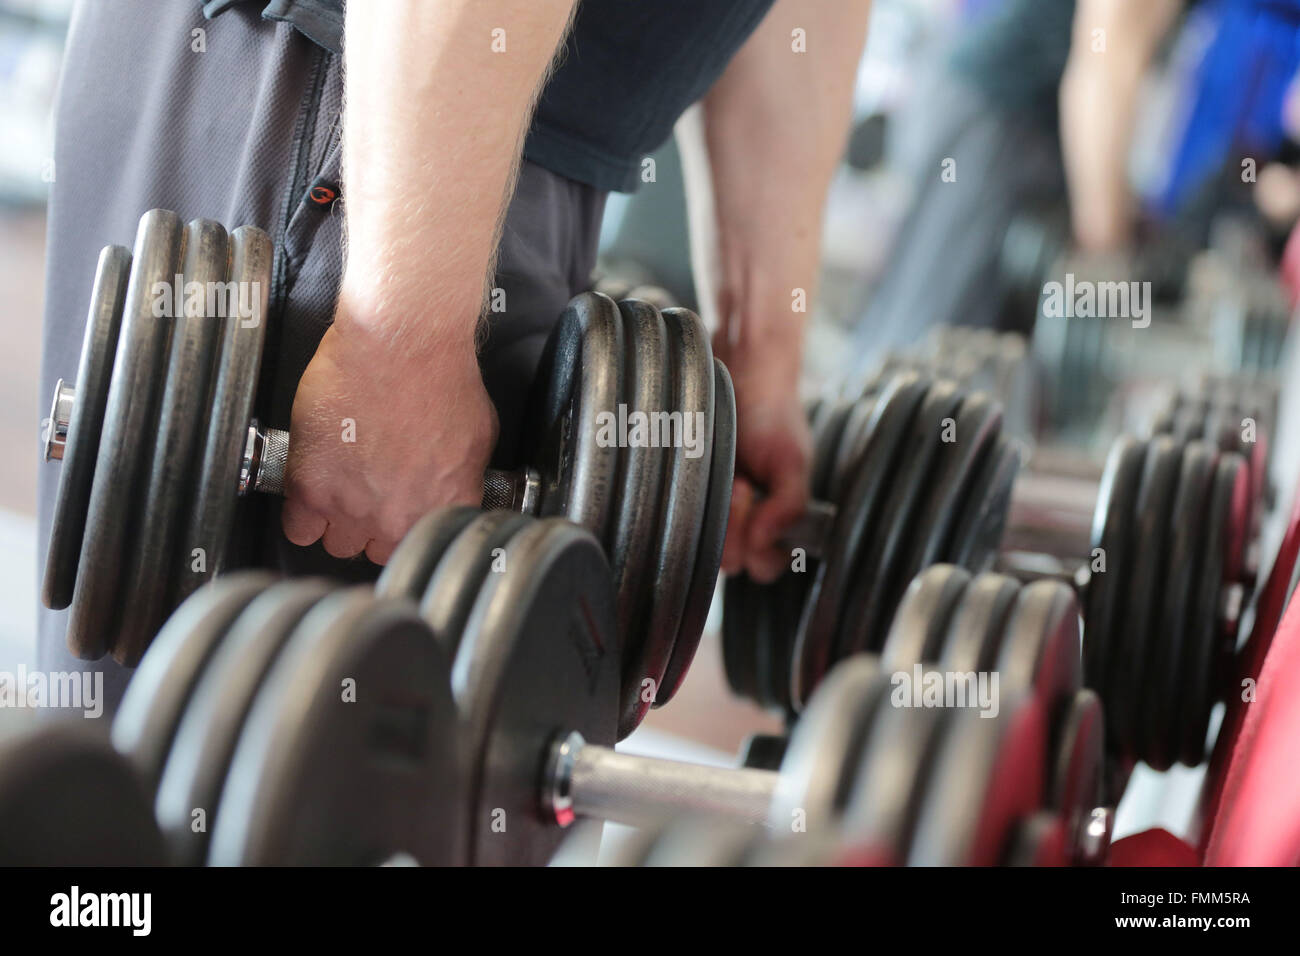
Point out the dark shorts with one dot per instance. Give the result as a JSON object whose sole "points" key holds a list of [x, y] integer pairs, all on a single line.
{"points": [[235, 124]]}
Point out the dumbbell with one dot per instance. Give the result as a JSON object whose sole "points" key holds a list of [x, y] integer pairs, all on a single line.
{"points": [[951, 626], [917, 472], [1165, 566], [317, 725], [1069, 517], [158, 440]]}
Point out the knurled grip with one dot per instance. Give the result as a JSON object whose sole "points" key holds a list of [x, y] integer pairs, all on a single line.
{"points": [[267, 452], [498, 491], [270, 472]]}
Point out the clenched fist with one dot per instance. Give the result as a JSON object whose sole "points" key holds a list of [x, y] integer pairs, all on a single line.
{"points": [[385, 427]]}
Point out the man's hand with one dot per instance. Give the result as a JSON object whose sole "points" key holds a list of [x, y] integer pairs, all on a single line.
{"points": [[429, 163], [772, 453], [380, 437], [775, 128]]}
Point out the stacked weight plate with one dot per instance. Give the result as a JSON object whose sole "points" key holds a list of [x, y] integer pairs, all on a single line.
{"points": [[523, 609], [1233, 413], [892, 785], [980, 360], [989, 627], [654, 487], [1168, 569], [164, 394], [919, 473], [293, 723]]}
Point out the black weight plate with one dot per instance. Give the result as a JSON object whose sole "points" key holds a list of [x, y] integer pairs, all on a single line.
{"points": [[126, 440], [1204, 652], [986, 777], [539, 658], [155, 559], [881, 810], [454, 585], [579, 384], [1041, 647], [763, 751], [1105, 602], [975, 540], [67, 799], [857, 520], [209, 726], [1078, 767], [820, 762], [850, 446], [977, 624], [976, 430], [791, 594], [917, 632], [81, 445], [713, 534], [411, 565], [790, 597], [827, 426], [348, 755], [1039, 840], [635, 519], [879, 573], [1163, 668], [155, 699], [765, 637], [233, 392], [736, 632], [1150, 519], [686, 494]]}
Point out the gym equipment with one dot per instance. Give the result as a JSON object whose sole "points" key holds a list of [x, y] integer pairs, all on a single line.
{"points": [[979, 360], [958, 627], [1163, 570], [1233, 322], [1159, 544], [318, 725], [67, 798], [956, 630], [917, 472], [299, 724], [158, 441]]}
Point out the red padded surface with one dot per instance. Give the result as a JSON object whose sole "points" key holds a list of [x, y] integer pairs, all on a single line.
{"points": [[1258, 823], [1154, 847], [1250, 663]]}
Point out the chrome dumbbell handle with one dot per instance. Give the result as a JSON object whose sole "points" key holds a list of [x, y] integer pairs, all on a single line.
{"points": [[593, 782], [266, 453]]}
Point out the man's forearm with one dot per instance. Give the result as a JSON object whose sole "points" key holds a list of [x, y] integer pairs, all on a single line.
{"points": [[1112, 47], [776, 124], [438, 100]]}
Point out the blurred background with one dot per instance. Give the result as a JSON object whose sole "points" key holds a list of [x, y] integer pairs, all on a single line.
{"points": [[996, 146]]}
